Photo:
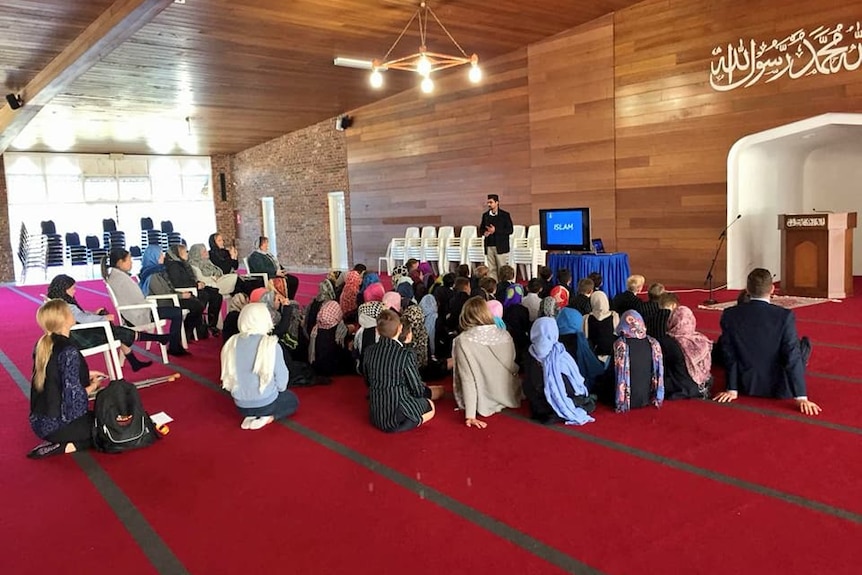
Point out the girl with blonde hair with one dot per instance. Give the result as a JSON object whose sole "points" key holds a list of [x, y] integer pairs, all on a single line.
{"points": [[485, 372], [60, 386]]}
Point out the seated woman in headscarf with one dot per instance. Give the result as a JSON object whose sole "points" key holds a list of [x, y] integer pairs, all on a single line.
{"points": [[570, 323], [553, 384], [63, 287], [638, 366], [485, 377], [60, 385], [349, 296], [406, 291], [517, 320], [152, 263], [253, 370], [367, 279], [392, 300], [327, 346], [374, 292], [230, 325], [223, 258], [548, 307], [208, 273], [325, 293], [286, 317], [181, 276], [600, 326], [366, 335], [687, 357], [115, 271], [429, 310]]}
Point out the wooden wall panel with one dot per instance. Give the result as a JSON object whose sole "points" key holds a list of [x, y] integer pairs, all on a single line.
{"points": [[418, 160], [673, 132], [572, 124]]}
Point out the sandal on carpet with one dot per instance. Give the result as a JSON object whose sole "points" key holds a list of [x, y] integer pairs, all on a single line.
{"points": [[46, 449]]}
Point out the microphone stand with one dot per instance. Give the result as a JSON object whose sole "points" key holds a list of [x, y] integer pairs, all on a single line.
{"points": [[711, 300]]}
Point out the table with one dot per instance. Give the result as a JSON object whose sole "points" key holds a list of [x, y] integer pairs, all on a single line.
{"points": [[613, 267]]}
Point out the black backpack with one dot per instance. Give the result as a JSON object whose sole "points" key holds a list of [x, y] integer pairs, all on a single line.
{"points": [[121, 422]]}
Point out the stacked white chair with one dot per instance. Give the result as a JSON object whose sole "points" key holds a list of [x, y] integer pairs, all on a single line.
{"points": [[414, 243], [539, 255], [521, 257], [430, 247], [518, 231], [476, 252], [443, 236]]}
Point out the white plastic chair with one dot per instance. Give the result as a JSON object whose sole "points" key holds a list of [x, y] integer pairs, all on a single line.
{"points": [[443, 235], [414, 248], [521, 256], [476, 252], [110, 348], [428, 232], [252, 274], [412, 232], [518, 231], [156, 325]]}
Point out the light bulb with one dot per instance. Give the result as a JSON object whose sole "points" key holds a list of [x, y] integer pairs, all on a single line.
{"points": [[376, 78], [423, 66], [475, 74], [427, 85]]}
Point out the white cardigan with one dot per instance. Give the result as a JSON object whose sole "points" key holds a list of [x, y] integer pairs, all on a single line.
{"points": [[485, 374]]}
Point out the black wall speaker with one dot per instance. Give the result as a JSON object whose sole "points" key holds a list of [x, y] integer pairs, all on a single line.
{"points": [[14, 101], [222, 186], [343, 122]]}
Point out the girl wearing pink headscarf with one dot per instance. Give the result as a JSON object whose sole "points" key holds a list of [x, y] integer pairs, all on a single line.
{"points": [[687, 357], [327, 346], [392, 300]]}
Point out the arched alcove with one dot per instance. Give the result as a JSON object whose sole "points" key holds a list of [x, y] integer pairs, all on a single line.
{"points": [[810, 165]]}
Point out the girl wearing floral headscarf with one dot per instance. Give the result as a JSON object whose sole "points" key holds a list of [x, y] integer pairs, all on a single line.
{"points": [[348, 300], [638, 367], [327, 347]]}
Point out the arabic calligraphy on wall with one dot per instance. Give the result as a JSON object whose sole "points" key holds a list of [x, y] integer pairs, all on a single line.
{"points": [[825, 50]]}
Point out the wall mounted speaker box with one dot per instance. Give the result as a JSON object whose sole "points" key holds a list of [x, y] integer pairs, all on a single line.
{"points": [[222, 186], [343, 122], [14, 101]]}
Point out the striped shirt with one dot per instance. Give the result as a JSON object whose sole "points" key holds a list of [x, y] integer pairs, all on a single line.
{"points": [[396, 390]]}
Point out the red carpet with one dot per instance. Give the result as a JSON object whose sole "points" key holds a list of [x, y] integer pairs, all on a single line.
{"points": [[229, 501], [577, 496]]}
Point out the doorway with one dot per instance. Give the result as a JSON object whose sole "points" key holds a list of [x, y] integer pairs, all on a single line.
{"points": [[338, 231]]}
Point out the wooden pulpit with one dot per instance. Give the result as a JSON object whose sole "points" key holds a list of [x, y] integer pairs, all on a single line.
{"points": [[817, 254]]}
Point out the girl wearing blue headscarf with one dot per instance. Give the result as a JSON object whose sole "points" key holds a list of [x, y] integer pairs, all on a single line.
{"points": [[571, 325], [152, 262], [553, 384]]}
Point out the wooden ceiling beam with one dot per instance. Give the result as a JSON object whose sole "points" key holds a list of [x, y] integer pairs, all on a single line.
{"points": [[113, 27]]}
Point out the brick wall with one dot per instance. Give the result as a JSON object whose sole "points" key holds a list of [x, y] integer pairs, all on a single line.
{"points": [[224, 215], [298, 170], [7, 270]]}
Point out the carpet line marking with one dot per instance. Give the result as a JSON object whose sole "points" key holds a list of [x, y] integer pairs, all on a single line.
{"points": [[530, 544], [151, 544], [700, 471]]}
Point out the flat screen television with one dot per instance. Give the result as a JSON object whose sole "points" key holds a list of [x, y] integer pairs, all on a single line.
{"points": [[565, 229]]}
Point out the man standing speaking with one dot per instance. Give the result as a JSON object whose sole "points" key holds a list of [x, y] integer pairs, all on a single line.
{"points": [[496, 227]]}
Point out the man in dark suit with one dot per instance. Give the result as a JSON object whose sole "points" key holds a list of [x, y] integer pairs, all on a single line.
{"points": [[761, 349], [496, 227]]}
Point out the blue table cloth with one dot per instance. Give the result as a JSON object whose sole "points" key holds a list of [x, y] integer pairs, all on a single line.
{"points": [[613, 267]]}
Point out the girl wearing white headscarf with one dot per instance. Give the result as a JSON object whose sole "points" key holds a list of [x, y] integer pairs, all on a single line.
{"points": [[254, 372], [600, 326]]}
